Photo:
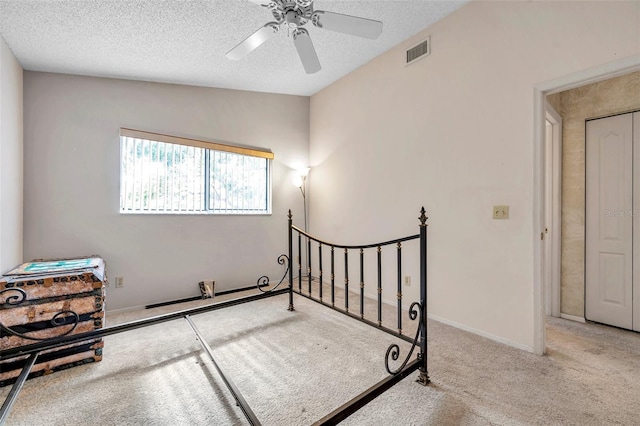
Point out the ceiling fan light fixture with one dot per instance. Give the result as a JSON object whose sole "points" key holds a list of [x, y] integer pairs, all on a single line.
{"points": [[292, 19]]}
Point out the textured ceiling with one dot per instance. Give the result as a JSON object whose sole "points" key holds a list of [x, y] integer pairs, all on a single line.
{"points": [[184, 42]]}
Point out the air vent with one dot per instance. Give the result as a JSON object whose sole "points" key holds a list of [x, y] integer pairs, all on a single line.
{"points": [[418, 51]]}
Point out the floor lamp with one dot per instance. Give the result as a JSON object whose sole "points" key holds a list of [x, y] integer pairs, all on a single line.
{"points": [[300, 180]]}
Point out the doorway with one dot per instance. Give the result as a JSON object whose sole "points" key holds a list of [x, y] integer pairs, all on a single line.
{"points": [[541, 91]]}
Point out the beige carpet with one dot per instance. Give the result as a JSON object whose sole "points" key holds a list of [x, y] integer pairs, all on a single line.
{"points": [[293, 368]]}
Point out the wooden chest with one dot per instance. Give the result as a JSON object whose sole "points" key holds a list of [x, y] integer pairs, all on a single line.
{"points": [[46, 299]]}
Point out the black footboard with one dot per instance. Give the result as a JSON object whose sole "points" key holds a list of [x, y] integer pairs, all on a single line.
{"points": [[301, 242]]}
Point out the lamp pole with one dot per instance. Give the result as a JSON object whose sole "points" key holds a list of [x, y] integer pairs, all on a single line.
{"points": [[304, 200], [301, 182]]}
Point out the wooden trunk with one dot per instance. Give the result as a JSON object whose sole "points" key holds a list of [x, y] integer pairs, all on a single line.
{"points": [[43, 300]]}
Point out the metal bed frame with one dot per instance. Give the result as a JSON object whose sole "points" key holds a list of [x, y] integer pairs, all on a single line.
{"points": [[417, 310]]}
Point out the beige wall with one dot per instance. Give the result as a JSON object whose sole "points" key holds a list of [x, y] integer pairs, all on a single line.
{"points": [[608, 97], [71, 182], [455, 132], [10, 159]]}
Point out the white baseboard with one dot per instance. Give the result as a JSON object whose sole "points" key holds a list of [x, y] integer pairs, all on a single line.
{"points": [[482, 333], [572, 317], [132, 308]]}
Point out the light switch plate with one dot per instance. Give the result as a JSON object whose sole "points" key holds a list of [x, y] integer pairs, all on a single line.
{"points": [[501, 212]]}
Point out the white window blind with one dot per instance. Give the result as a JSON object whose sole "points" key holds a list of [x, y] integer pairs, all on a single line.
{"points": [[166, 174]]}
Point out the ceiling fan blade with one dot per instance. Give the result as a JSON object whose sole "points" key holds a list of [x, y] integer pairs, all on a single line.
{"points": [[264, 3], [361, 27], [306, 51], [252, 42]]}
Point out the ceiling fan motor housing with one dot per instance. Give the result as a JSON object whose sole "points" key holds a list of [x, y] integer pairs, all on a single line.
{"points": [[292, 13]]}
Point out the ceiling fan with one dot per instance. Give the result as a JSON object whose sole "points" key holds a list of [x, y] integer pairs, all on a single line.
{"points": [[293, 15]]}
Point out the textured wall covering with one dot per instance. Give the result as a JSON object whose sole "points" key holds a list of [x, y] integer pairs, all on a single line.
{"points": [[612, 96], [554, 101]]}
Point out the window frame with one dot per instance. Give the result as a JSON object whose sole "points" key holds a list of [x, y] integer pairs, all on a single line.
{"points": [[206, 191]]}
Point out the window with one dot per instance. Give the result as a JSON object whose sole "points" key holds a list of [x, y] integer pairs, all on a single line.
{"points": [[167, 174]]}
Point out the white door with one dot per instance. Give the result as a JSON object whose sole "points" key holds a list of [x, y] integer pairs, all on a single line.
{"points": [[609, 221]]}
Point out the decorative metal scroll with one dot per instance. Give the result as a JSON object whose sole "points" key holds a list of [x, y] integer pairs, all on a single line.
{"points": [[59, 319], [264, 280], [394, 350], [15, 299]]}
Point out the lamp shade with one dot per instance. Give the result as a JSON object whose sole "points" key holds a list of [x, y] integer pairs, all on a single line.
{"points": [[304, 172], [298, 181]]}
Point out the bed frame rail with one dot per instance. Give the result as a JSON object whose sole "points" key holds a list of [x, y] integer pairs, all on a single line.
{"points": [[417, 310], [35, 349]]}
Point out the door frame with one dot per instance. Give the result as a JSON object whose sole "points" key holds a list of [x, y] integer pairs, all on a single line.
{"points": [[636, 229], [540, 91], [553, 215]]}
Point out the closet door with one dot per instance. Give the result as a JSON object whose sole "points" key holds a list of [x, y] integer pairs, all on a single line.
{"points": [[636, 221], [609, 221]]}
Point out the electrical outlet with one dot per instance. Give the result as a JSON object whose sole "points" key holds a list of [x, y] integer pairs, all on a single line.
{"points": [[501, 212], [119, 282], [407, 280]]}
